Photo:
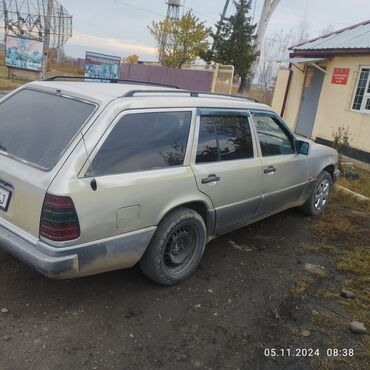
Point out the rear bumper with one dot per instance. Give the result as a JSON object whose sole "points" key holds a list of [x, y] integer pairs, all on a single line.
{"points": [[81, 260]]}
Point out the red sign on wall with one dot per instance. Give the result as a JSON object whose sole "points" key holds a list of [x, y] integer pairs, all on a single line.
{"points": [[340, 76]]}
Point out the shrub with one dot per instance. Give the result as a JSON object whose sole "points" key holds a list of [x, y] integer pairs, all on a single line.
{"points": [[342, 139]]}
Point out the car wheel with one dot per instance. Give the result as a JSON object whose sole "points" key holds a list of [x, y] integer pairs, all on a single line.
{"points": [[176, 248], [318, 200]]}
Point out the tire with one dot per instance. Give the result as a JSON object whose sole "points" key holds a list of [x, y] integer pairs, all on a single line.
{"points": [[176, 248], [319, 197]]}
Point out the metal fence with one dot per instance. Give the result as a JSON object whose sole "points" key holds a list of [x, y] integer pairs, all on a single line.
{"points": [[189, 79]]}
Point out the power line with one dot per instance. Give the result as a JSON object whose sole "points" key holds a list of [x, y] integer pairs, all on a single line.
{"points": [[200, 13], [159, 14], [138, 8]]}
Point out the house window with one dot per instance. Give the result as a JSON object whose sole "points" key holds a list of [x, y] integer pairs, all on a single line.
{"points": [[361, 101]]}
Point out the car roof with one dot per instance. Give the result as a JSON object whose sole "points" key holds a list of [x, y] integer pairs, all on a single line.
{"points": [[144, 94]]}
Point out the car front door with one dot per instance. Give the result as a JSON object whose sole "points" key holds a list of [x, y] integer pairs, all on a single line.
{"points": [[284, 171], [226, 166]]}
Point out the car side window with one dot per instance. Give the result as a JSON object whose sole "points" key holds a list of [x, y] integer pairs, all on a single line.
{"points": [[144, 141], [224, 137], [273, 137]]}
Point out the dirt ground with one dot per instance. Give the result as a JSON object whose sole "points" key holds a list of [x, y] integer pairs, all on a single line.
{"points": [[252, 293]]}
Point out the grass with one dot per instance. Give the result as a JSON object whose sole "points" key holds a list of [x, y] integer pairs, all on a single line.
{"points": [[301, 286], [345, 226], [322, 320], [333, 227], [356, 261], [7, 84], [64, 68], [365, 347], [333, 363], [348, 228], [295, 332], [319, 248], [328, 294], [53, 69], [361, 186]]}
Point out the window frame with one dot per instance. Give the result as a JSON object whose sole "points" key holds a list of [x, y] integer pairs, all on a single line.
{"points": [[366, 94], [206, 111], [117, 119], [284, 127]]}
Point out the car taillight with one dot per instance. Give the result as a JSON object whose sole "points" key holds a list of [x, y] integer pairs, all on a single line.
{"points": [[59, 220]]}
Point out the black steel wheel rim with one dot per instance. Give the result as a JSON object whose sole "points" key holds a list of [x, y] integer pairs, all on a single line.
{"points": [[180, 248]]}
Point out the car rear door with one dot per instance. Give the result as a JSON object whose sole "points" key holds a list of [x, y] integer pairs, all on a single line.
{"points": [[284, 171], [226, 167], [141, 167]]}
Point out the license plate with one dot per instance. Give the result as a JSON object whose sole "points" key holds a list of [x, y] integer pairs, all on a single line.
{"points": [[5, 195]]}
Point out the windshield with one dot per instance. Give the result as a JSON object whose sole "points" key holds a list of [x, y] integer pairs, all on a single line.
{"points": [[37, 127]]}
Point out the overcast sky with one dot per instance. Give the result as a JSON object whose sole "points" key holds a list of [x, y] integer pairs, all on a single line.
{"points": [[119, 27]]}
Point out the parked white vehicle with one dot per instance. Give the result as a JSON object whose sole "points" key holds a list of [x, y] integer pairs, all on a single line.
{"points": [[97, 177]]}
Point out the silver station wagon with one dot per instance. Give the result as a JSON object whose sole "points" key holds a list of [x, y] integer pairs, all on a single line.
{"points": [[97, 177]]}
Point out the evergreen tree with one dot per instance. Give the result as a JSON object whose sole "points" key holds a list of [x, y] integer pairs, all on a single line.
{"points": [[233, 42]]}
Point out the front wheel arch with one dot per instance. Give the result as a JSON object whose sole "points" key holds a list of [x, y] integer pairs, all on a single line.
{"points": [[330, 169], [309, 208]]}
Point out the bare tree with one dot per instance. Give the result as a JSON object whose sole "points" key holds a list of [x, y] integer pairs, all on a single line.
{"points": [[326, 30], [302, 30], [269, 7], [273, 53]]}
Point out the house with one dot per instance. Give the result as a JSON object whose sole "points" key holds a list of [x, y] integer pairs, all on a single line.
{"points": [[327, 86]]}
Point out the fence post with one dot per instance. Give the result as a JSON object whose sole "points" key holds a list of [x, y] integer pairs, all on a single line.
{"points": [[232, 80], [215, 75]]}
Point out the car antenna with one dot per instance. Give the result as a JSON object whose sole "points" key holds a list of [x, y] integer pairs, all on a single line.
{"points": [[93, 183]]}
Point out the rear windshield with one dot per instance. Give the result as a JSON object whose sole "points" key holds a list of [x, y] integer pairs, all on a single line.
{"points": [[37, 127]]}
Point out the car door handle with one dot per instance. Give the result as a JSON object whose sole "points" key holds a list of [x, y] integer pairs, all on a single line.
{"points": [[210, 178], [269, 169]]}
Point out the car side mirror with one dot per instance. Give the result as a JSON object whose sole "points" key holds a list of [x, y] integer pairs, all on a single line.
{"points": [[303, 147]]}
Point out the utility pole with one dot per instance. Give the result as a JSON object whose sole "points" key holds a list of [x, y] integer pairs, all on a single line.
{"points": [[47, 29], [223, 15]]}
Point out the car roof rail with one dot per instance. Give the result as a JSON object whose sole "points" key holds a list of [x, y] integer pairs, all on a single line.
{"points": [[110, 80], [196, 94], [132, 93], [231, 96]]}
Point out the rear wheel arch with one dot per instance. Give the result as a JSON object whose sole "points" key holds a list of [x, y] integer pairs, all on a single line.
{"points": [[176, 247], [199, 206]]}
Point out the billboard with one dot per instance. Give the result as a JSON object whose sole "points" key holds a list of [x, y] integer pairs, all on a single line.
{"points": [[102, 66], [23, 53]]}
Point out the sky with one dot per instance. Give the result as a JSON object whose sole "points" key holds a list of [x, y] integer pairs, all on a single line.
{"points": [[119, 27]]}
